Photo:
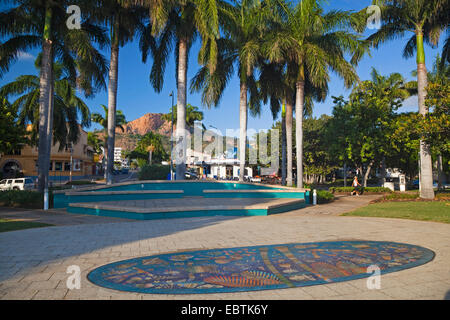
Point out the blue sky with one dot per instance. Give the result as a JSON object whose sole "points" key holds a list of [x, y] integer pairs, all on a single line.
{"points": [[136, 97]]}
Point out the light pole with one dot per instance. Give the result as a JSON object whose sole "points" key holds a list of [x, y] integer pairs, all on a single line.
{"points": [[71, 161], [171, 139]]}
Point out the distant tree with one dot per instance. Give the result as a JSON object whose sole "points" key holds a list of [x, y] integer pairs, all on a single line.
{"points": [[149, 148], [192, 115], [361, 125], [12, 135], [103, 121]]}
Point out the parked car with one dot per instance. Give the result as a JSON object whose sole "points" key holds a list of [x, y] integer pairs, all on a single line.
{"points": [[255, 179], [416, 183], [17, 184], [191, 175]]}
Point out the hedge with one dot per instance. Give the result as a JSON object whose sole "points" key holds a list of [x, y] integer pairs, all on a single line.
{"points": [[361, 189], [322, 196], [154, 172], [24, 199]]}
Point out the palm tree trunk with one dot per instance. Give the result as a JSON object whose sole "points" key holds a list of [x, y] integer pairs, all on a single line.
{"points": [[441, 175], [426, 165], [44, 92], [180, 154], [300, 98], [283, 144], [242, 128], [112, 100], [289, 150], [383, 172], [50, 113], [366, 175]]}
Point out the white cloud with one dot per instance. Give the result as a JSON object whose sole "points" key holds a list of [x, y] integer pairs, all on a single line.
{"points": [[25, 56]]}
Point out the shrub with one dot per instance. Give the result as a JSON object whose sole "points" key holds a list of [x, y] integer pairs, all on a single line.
{"points": [[154, 172], [443, 195], [24, 199], [401, 196], [322, 196], [362, 190]]}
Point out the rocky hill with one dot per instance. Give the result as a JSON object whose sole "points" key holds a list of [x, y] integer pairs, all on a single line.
{"points": [[148, 122], [135, 129]]}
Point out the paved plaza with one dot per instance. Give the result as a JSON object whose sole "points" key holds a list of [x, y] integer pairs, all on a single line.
{"points": [[33, 262]]}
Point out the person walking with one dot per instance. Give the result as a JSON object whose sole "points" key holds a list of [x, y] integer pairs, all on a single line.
{"points": [[355, 185]]}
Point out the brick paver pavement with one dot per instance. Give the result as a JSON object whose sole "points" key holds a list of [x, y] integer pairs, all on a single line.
{"points": [[33, 262]]}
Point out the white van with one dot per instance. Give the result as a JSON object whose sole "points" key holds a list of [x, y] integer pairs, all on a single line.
{"points": [[17, 184]]}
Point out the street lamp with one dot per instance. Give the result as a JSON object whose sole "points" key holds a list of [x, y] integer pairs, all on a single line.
{"points": [[171, 139]]}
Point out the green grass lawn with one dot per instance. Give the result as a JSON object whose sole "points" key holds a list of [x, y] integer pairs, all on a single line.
{"points": [[11, 225], [425, 211]]}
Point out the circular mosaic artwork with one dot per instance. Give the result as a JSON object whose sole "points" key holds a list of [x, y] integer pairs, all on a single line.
{"points": [[259, 267]]}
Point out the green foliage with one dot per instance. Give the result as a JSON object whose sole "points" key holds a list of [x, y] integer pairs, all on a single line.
{"points": [[150, 143], [154, 172], [363, 190], [12, 135], [67, 105], [437, 211], [322, 196], [360, 130], [95, 142], [23, 199], [401, 196], [192, 115], [10, 225], [103, 119]]}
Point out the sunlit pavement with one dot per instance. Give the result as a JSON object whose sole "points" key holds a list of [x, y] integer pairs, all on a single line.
{"points": [[33, 262]]}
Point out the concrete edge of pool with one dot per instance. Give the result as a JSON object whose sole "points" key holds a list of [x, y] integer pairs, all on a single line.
{"points": [[148, 213]]}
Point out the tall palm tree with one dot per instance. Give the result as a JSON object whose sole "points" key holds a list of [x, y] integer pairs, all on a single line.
{"points": [[245, 23], [425, 19], [67, 105], [42, 24], [179, 23], [314, 42], [124, 20]]}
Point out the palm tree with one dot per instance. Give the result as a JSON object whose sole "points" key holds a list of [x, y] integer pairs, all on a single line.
{"points": [[425, 19], [180, 22], [42, 24], [313, 42], [244, 24], [67, 105], [192, 115], [152, 144], [104, 122], [124, 21]]}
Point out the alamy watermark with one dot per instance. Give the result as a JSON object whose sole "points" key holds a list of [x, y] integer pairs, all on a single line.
{"points": [[374, 20], [74, 20], [374, 281], [261, 147], [74, 280]]}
